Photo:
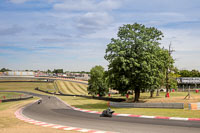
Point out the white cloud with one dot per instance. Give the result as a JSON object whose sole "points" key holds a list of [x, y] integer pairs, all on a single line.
{"points": [[69, 31], [87, 5], [109, 4], [182, 39], [92, 21], [186, 46]]}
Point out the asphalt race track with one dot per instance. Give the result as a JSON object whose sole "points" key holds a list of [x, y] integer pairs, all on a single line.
{"points": [[54, 111]]}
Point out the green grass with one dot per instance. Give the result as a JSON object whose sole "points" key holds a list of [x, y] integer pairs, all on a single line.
{"points": [[146, 95], [62, 87], [100, 105], [6, 105], [22, 86], [10, 95], [67, 87], [47, 87], [74, 87]]}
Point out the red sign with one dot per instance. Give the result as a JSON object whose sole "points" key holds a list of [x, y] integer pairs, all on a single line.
{"points": [[167, 95]]}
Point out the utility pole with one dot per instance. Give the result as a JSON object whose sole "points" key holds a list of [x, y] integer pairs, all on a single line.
{"points": [[168, 70]]}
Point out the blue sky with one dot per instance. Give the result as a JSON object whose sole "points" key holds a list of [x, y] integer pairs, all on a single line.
{"points": [[73, 34]]}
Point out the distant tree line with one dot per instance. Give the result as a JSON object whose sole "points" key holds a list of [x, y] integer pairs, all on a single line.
{"points": [[57, 71], [4, 70], [188, 73]]}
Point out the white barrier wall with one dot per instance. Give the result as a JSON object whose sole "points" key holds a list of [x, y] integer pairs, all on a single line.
{"points": [[194, 106], [20, 73]]}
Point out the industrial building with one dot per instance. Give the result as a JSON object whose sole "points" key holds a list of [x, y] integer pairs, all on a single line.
{"points": [[19, 73], [188, 82]]}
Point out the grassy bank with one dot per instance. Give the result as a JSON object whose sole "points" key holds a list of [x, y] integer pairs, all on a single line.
{"points": [[67, 87], [23, 86], [10, 95], [99, 105]]}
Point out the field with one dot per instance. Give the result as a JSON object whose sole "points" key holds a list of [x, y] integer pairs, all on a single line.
{"points": [[8, 122], [100, 105], [10, 95], [175, 97], [24, 86], [67, 87]]}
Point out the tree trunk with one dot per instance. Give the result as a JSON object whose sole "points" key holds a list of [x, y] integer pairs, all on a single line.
{"points": [[157, 94], [137, 94], [167, 83], [151, 93]]}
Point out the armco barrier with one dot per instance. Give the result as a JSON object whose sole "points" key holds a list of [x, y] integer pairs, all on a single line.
{"points": [[148, 105], [194, 106], [90, 97], [16, 99]]}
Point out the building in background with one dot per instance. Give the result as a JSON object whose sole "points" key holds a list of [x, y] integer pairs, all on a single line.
{"points": [[188, 82], [1, 74], [41, 74], [20, 73], [80, 76]]}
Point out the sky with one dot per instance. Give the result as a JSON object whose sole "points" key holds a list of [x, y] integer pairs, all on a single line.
{"points": [[73, 34]]}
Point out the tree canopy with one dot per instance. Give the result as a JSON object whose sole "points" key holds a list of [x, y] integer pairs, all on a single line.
{"points": [[136, 60], [187, 73], [97, 81], [58, 71], [4, 70]]}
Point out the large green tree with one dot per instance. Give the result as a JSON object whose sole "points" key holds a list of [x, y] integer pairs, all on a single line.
{"points": [[97, 82], [135, 59]]}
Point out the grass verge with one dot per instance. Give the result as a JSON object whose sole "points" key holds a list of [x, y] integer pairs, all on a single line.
{"points": [[22, 86], [10, 124], [10, 95], [100, 105]]}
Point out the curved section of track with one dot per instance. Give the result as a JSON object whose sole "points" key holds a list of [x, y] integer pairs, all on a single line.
{"points": [[52, 110]]}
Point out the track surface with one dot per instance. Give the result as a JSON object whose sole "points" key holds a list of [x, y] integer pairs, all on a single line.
{"points": [[54, 111]]}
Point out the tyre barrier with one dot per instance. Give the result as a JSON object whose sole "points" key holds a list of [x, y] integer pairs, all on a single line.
{"points": [[148, 105], [16, 99], [90, 97], [194, 106]]}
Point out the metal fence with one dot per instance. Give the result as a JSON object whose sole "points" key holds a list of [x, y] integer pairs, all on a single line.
{"points": [[15, 97], [148, 105]]}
